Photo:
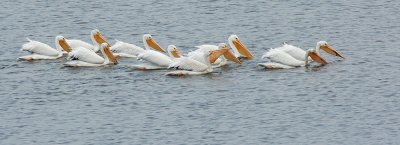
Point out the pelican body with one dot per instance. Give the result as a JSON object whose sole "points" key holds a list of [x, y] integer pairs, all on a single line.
{"points": [[191, 66], [40, 51], [239, 51], [85, 57], [153, 55], [289, 56]]}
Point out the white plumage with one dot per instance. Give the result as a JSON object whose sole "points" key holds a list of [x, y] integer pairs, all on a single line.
{"points": [[74, 43], [198, 54], [37, 47], [293, 51], [279, 56], [156, 58], [274, 65], [39, 50], [289, 56], [124, 49], [85, 55], [190, 64]]}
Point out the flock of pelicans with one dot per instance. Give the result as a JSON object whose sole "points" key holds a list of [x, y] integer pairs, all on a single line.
{"points": [[200, 61]]}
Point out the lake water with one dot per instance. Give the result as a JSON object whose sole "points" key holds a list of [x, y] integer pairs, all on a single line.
{"points": [[351, 101]]}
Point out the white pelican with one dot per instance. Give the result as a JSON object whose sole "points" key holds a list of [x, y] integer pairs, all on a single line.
{"points": [[299, 53], [191, 66], [68, 44], [41, 50], [97, 39], [173, 52], [228, 55], [239, 49], [123, 49], [119, 49], [281, 59], [157, 59], [84, 57]]}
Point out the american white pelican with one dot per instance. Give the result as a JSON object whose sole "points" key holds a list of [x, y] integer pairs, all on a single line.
{"points": [[119, 49], [281, 59], [97, 39], [221, 61], [190, 66], [173, 52], [299, 53], [95, 36], [239, 49], [157, 59], [41, 50], [123, 49], [84, 57]]}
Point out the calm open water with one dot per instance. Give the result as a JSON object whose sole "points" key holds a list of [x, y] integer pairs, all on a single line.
{"points": [[355, 101]]}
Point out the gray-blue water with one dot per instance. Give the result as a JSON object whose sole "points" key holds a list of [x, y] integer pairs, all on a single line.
{"points": [[354, 101]]}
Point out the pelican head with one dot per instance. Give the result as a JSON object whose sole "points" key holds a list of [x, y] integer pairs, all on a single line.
{"points": [[327, 48], [222, 46], [97, 37], [108, 55], [228, 53], [238, 47], [312, 53], [150, 43], [213, 55], [173, 51], [61, 42]]}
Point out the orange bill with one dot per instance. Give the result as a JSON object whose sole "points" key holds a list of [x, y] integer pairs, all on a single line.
{"points": [[230, 56], [153, 44], [330, 50], [175, 53], [316, 57], [242, 49], [100, 39], [214, 55], [64, 45], [110, 56]]}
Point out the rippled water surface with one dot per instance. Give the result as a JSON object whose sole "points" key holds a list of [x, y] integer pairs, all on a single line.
{"points": [[351, 101]]}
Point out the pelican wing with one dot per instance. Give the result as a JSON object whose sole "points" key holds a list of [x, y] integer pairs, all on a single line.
{"points": [[199, 52], [85, 55], [74, 43], [190, 64], [198, 56], [156, 58], [293, 51], [279, 56], [126, 48], [40, 48], [206, 48]]}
